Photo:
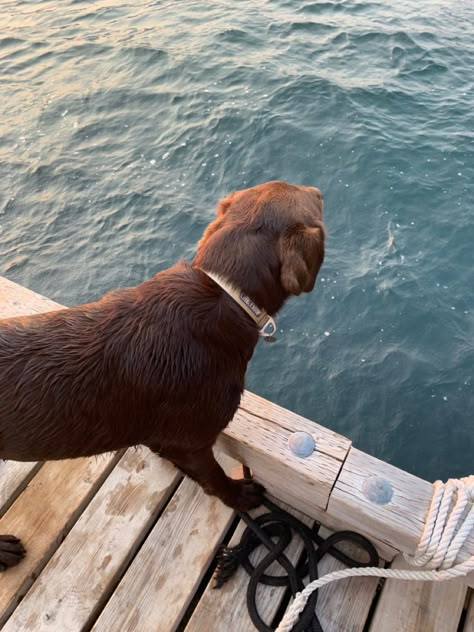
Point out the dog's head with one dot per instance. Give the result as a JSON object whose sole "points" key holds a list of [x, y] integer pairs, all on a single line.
{"points": [[268, 240]]}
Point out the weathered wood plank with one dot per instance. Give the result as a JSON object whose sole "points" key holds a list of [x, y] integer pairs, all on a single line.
{"points": [[14, 477], [343, 606], [43, 514], [469, 623], [79, 577], [226, 608], [400, 521], [418, 606], [160, 583], [16, 300], [304, 484]]}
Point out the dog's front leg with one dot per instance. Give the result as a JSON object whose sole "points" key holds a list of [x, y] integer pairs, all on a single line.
{"points": [[202, 467]]}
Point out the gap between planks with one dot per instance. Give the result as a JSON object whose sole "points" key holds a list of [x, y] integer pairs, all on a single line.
{"points": [[43, 514], [411, 606], [159, 584]]}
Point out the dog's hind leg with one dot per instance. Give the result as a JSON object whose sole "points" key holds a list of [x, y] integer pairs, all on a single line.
{"points": [[12, 551], [202, 467]]}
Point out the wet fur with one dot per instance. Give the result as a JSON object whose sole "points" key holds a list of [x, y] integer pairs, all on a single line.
{"points": [[163, 363]]}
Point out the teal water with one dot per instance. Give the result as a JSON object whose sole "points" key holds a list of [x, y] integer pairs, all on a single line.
{"points": [[122, 123]]}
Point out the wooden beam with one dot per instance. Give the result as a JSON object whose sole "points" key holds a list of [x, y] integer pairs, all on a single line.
{"points": [[334, 484], [16, 300], [306, 484], [327, 441], [399, 521], [262, 444]]}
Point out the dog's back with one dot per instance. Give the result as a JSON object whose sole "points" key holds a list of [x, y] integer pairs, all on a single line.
{"points": [[131, 368]]}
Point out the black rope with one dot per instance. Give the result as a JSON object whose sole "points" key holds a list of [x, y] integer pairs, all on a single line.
{"points": [[275, 530]]}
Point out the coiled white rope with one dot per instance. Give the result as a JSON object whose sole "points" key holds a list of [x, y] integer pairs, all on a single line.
{"points": [[450, 521]]}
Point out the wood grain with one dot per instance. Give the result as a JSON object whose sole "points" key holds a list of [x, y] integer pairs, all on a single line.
{"points": [[399, 522], [263, 446], [81, 574], [407, 606], [14, 477], [343, 606], [327, 442], [160, 583], [43, 514], [16, 300]]}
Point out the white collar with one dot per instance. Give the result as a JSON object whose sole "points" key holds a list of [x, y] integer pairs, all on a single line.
{"points": [[259, 316]]}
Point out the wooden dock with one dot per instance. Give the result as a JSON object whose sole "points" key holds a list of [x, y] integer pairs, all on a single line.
{"points": [[123, 542]]}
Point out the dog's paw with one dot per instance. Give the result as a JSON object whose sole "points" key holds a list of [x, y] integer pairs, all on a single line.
{"points": [[12, 551], [247, 494]]}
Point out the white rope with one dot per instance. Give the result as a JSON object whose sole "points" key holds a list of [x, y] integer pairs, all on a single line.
{"points": [[449, 523]]}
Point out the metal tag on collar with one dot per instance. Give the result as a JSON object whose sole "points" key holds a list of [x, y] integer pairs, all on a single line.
{"points": [[268, 329]]}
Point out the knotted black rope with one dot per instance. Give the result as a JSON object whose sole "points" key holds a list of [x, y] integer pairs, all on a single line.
{"points": [[275, 530]]}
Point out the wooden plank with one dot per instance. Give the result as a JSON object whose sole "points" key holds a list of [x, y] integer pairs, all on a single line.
{"points": [[408, 606], [14, 477], [16, 300], [43, 514], [160, 583], [79, 577], [226, 608], [469, 623], [400, 521], [343, 606]]}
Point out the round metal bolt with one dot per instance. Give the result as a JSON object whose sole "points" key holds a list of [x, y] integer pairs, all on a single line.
{"points": [[378, 490], [301, 444]]}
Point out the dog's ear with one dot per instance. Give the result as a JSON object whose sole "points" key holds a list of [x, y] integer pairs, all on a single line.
{"points": [[222, 207], [301, 253], [224, 204]]}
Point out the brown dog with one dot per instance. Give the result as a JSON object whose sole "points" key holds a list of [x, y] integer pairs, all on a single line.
{"points": [[163, 363]]}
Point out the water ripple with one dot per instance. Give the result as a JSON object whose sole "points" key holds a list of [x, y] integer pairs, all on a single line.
{"points": [[123, 123]]}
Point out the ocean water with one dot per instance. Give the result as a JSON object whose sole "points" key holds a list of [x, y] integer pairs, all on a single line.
{"points": [[122, 123]]}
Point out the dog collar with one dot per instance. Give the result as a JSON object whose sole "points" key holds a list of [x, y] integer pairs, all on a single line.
{"points": [[265, 323]]}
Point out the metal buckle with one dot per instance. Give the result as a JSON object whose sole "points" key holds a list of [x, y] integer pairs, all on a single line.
{"points": [[268, 335]]}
